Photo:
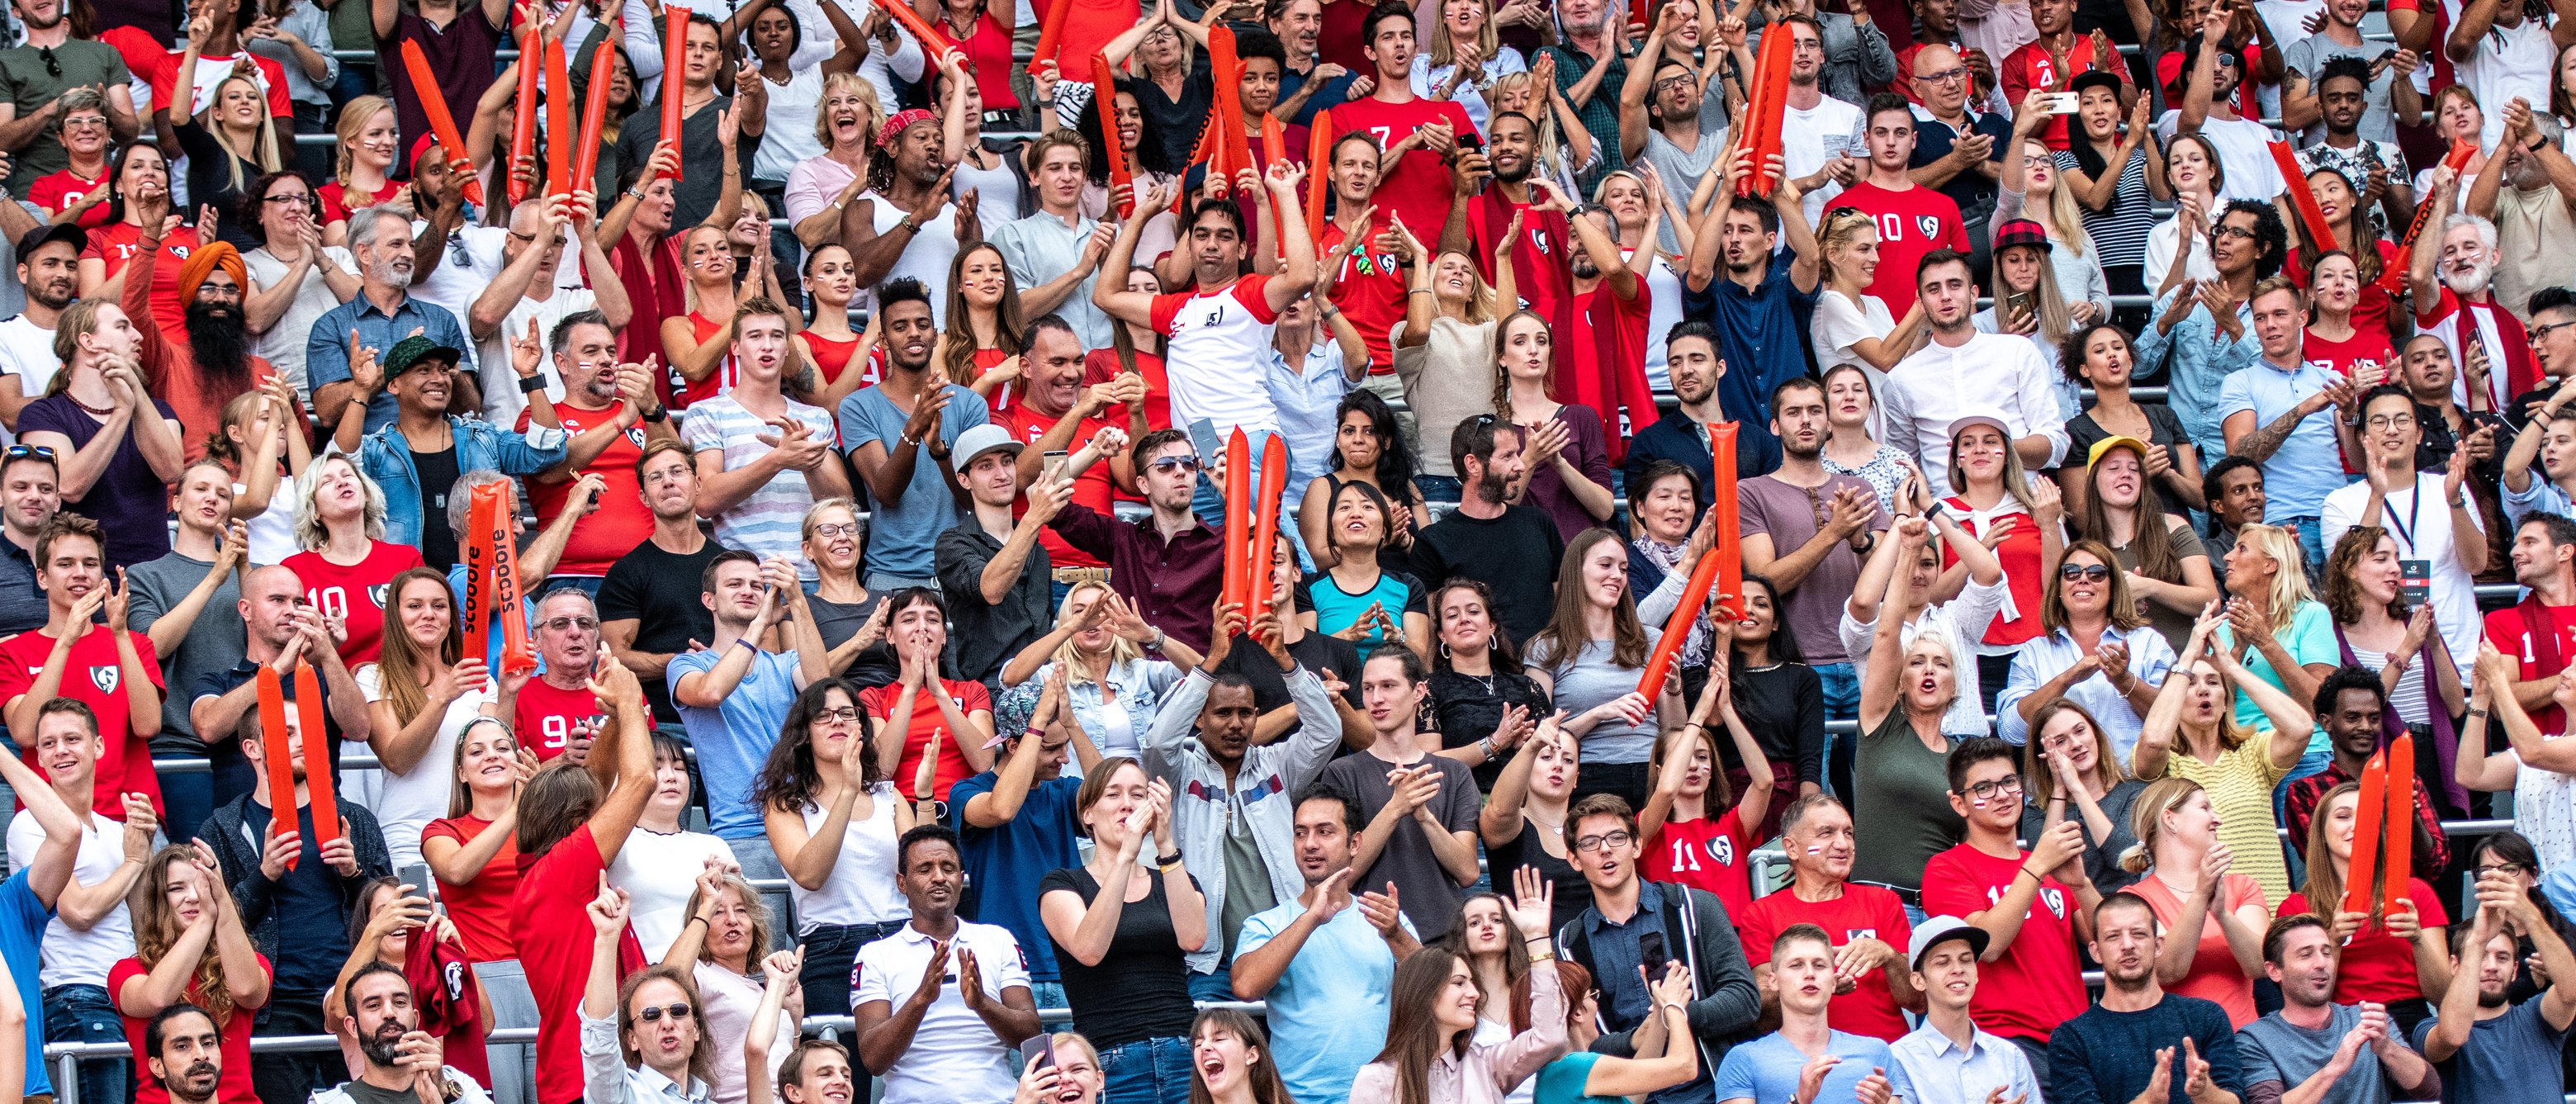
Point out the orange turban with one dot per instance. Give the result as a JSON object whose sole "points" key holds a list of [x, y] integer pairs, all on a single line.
{"points": [[202, 263]]}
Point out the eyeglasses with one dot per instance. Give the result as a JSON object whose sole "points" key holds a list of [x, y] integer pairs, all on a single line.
{"points": [[2390, 421], [1669, 83], [2232, 232], [559, 624], [837, 531], [1605, 841], [653, 1013], [2088, 572], [2507, 869], [843, 715], [289, 197], [2544, 330], [2225, 58], [1946, 76], [85, 121], [1987, 790], [1165, 465]]}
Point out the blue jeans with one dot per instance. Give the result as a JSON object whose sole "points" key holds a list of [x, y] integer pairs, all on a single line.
{"points": [[882, 583], [1842, 703], [2312, 547], [1049, 996], [587, 584], [83, 1014], [1218, 986], [1147, 1071], [1438, 488]]}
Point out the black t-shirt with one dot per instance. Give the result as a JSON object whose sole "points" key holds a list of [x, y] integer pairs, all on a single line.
{"points": [[1784, 708], [2164, 430], [1141, 988], [1315, 652], [1573, 894], [838, 622], [315, 939], [437, 474], [1514, 554], [661, 592], [1469, 708]]}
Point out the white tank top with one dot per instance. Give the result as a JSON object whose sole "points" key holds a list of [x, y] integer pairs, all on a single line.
{"points": [[861, 888], [997, 191], [926, 257]]}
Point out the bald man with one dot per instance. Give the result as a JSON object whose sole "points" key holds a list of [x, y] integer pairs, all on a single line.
{"points": [[1960, 154], [535, 289], [283, 629]]}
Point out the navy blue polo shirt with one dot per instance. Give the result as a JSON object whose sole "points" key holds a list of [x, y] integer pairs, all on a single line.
{"points": [[1975, 193], [1762, 336], [22, 606]]}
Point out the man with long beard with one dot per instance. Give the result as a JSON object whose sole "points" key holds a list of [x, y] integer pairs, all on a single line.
{"points": [[403, 1063], [49, 269], [203, 367], [2454, 286]]}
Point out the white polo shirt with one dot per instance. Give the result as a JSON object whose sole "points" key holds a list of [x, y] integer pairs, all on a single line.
{"points": [[954, 1055]]}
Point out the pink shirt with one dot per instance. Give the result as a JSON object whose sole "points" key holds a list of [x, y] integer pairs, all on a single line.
{"points": [[1487, 1072]]}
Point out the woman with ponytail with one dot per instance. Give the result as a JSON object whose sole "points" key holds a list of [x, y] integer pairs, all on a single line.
{"points": [[2186, 877]]}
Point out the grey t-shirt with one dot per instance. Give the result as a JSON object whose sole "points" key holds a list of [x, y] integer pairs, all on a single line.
{"points": [[1675, 163], [1788, 514], [2274, 1049], [1589, 679], [2503, 1054], [902, 535], [1425, 891], [215, 640], [2310, 54]]}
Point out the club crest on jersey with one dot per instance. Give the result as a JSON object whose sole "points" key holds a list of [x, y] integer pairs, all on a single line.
{"points": [[1929, 225], [2055, 899], [105, 678], [636, 434], [1722, 849], [1540, 240], [376, 594], [453, 977], [1855, 935]]}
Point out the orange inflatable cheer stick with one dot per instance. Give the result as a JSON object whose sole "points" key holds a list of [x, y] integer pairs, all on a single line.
{"points": [[1104, 100], [2393, 278], [523, 124], [1274, 149], [1677, 628], [433, 103], [1730, 539], [1050, 35], [317, 755], [2294, 183], [933, 43], [559, 121], [1265, 527], [1319, 165], [594, 119], [1770, 98], [479, 522], [1238, 494], [2357, 895], [518, 653], [675, 39], [1229, 100], [2397, 856], [272, 730]]}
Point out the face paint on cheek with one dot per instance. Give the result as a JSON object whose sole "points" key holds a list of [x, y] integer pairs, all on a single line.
{"points": [[1976, 803], [1815, 849]]}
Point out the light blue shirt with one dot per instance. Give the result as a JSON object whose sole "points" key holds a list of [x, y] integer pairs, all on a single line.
{"points": [[733, 739], [2308, 466], [903, 535], [1940, 1072], [2042, 659], [1307, 396], [1328, 1009], [2543, 497], [2200, 357], [1765, 1070]]}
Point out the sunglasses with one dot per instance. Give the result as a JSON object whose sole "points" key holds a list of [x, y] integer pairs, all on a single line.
{"points": [[653, 1013], [53, 67], [21, 452], [2089, 572], [1165, 465]]}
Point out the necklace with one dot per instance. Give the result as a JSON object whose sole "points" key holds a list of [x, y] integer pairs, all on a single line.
{"points": [[93, 411]]}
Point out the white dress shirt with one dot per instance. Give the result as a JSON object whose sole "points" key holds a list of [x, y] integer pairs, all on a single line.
{"points": [[1989, 373]]}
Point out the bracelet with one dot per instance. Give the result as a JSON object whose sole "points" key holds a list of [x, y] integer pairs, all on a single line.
{"points": [[658, 415], [1485, 747], [1166, 862], [2026, 870], [2479, 713], [530, 385], [1537, 957], [746, 642]]}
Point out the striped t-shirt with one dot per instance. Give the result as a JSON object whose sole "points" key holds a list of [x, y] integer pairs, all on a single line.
{"points": [[769, 521]]}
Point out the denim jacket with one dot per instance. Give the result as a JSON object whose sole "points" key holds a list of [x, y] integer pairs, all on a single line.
{"points": [[480, 445], [2202, 357], [1140, 685], [1264, 791]]}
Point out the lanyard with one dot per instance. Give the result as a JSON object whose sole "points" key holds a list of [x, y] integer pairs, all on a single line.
{"points": [[2414, 502]]}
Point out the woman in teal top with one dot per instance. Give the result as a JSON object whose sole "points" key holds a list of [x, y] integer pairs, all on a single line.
{"points": [[1582, 1077], [1351, 596]]}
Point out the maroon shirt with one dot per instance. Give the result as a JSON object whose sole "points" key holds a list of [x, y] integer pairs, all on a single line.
{"points": [[1173, 585], [461, 55]]}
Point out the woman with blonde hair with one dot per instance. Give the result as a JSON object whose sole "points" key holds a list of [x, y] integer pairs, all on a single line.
{"points": [[2391, 958], [820, 186], [1444, 348], [2032, 189], [1070, 1075], [2168, 572], [2098, 649], [981, 345], [422, 692], [722, 948], [2069, 772], [846, 613], [2186, 874], [2291, 634], [1465, 55], [1852, 327], [1852, 444], [1097, 648], [262, 445], [472, 851], [2193, 734], [369, 139], [340, 525], [2028, 302], [1646, 218], [229, 145], [190, 946]]}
